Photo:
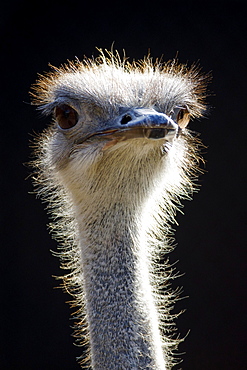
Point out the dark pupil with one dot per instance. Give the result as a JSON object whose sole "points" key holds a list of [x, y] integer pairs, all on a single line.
{"points": [[67, 113], [66, 116]]}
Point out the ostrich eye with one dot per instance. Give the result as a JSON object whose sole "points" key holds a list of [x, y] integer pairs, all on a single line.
{"points": [[183, 117], [66, 116]]}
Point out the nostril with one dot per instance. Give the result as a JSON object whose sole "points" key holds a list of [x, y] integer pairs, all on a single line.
{"points": [[125, 119]]}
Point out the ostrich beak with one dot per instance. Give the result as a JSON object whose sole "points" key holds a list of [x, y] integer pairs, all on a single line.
{"points": [[138, 123]]}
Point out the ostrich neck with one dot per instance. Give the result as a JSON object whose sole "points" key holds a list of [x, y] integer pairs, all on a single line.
{"points": [[120, 309]]}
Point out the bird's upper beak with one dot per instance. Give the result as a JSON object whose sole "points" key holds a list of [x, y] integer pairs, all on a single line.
{"points": [[138, 123]]}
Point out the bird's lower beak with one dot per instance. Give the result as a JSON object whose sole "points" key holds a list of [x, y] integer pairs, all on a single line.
{"points": [[148, 124]]}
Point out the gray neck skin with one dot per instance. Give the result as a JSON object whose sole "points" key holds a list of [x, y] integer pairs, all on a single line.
{"points": [[121, 314]]}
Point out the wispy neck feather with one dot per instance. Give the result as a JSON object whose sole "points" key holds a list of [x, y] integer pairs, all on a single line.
{"points": [[121, 313], [113, 214]]}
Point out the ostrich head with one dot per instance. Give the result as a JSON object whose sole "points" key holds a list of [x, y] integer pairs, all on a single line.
{"points": [[112, 165]]}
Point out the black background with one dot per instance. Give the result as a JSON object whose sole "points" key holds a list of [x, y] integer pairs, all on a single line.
{"points": [[35, 324]]}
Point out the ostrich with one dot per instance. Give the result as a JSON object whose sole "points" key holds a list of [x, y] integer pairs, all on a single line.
{"points": [[113, 167]]}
